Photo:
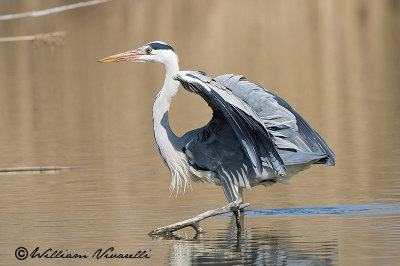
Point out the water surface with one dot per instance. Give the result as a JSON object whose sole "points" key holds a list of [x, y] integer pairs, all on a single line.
{"points": [[336, 62]]}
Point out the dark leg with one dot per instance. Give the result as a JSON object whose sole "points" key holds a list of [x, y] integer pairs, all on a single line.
{"points": [[239, 215], [239, 226]]}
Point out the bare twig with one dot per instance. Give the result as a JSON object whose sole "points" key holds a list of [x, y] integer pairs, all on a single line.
{"points": [[51, 39], [52, 10], [194, 222], [38, 169]]}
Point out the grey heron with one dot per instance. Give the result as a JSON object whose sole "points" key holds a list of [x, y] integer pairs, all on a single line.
{"points": [[253, 138]]}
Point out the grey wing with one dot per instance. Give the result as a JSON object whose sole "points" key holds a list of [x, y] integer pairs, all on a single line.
{"points": [[294, 137], [255, 139], [235, 143], [215, 148]]}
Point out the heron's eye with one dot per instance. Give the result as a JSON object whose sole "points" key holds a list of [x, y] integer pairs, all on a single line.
{"points": [[148, 50]]}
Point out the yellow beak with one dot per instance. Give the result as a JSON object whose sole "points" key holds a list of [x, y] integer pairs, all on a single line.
{"points": [[126, 56]]}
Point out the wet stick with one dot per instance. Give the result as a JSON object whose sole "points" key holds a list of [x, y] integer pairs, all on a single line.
{"points": [[194, 222]]}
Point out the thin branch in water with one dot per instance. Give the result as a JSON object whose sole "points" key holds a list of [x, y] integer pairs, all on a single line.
{"points": [[51, 39], [194, 222], [52, 10], [34, 169]]}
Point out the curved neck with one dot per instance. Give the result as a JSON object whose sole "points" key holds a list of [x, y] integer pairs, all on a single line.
{"points": [[170, 87], [169, 145], [167, 142]]}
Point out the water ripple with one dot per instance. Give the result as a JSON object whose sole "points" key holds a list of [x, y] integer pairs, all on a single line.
{"points": [[362, 209]]}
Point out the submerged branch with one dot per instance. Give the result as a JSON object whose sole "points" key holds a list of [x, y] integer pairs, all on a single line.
{"points": [[39, 169], [52, 10], [194, 222]]}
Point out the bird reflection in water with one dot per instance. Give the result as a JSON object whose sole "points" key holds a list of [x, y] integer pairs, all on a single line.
{"points": [[256, 246]]}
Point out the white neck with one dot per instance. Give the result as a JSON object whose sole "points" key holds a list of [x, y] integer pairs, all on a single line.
{"points": [[163, 101], [168, 144]]}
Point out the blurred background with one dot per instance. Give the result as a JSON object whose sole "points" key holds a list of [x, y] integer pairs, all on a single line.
{"points": [[336, 62]]}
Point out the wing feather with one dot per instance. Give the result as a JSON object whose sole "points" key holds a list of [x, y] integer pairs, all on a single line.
{"points": [[256, 141], [289, 128]]}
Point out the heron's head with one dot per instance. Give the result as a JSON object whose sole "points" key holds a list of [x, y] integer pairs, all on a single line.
{"points": [[158, 52]]}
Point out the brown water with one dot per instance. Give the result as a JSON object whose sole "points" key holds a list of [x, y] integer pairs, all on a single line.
{"points": [[336, 62]]}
